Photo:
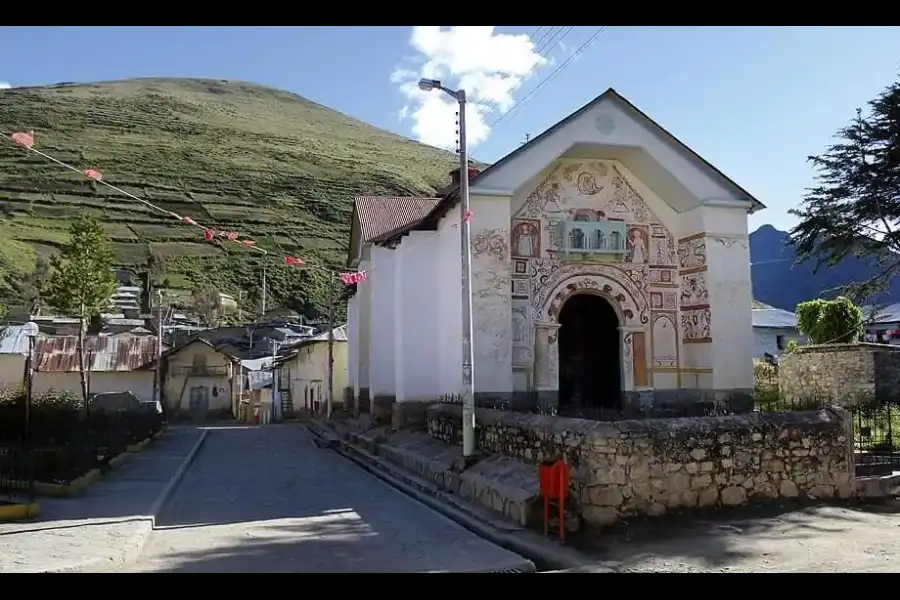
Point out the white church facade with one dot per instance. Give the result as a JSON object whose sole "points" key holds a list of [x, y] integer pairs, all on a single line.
{"points": [[610, 264]]}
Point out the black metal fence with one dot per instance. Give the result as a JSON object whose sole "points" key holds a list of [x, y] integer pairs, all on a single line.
{"points": [[875, 431], [57, 442]]}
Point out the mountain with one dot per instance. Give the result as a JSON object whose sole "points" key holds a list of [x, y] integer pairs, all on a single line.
{"points": [[781, 283], [270, 164]]}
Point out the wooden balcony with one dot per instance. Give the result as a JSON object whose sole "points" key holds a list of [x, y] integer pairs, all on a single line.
{"points": [[594, 237]]}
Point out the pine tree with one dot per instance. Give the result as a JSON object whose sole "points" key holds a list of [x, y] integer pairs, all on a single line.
{"points": [[82, 283], [855, 207]]}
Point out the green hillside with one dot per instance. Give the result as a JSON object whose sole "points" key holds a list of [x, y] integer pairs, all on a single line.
{"points": [[270, 164]]}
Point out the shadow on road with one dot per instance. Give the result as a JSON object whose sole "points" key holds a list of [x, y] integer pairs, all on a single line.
{"points": [[765, 536], [269, 500]]}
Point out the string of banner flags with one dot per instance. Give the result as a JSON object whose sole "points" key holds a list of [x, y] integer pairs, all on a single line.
{"points": [[26, 141]]}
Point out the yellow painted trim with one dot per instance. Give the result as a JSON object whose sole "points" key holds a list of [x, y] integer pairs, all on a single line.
{"points": [[700, 370], [17, 512]]}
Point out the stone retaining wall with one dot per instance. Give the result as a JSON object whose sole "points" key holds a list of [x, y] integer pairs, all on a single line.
{"points": [[630, 467]]}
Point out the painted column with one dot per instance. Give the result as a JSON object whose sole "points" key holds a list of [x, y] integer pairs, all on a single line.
{"points": [[546, 363]]}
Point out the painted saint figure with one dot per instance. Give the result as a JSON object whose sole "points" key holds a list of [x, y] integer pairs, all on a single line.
{"points": [[525, 245], [638, 246]]}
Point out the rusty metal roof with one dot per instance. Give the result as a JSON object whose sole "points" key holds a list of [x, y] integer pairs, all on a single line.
{"points": [[106, 353], [379, 215]]}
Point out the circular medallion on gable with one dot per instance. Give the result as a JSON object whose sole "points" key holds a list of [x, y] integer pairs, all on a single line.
{"points": [[605, 124]]}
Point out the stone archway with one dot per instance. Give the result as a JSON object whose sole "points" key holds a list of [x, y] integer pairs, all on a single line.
{"points": [[590, 352]]}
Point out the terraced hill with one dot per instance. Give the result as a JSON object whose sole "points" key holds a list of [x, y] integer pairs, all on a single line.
{"points": [[238, 156]]}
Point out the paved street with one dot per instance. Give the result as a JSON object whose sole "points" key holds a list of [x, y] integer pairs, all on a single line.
{"points": [[266, 499]]}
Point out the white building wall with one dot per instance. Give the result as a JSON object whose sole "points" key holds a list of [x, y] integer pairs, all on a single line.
{"points": [[730, 297], [765, 339], [492, 324], [381, 342], [140, 383], [353, 344], [448, 300], [364, 312], [421, 317]]}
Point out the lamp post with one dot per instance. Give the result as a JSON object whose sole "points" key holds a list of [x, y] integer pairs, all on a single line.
{"points": [[31, 331], [428, 85]]}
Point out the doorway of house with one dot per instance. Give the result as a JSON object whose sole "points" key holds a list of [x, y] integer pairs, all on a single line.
{"points": [[590, 354]]}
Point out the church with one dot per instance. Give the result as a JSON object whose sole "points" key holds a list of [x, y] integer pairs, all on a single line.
{"points": [[610, 267]]}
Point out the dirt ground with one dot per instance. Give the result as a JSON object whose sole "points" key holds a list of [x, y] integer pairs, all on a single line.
{"points": [[823, 539]]}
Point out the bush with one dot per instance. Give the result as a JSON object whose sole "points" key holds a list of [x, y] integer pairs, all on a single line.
{"points": [[837, 321]]}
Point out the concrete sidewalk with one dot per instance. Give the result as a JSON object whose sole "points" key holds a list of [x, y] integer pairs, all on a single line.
{"points": [[108, 525]]}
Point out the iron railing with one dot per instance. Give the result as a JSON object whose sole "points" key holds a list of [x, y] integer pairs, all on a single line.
{"points": [[58, 445]]}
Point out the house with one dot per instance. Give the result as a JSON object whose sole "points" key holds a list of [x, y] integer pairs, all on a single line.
{"points": [[610, 268], [882, 323], [117, 363], [773, 330], [13, 350], [302, 374], [200, 380]]}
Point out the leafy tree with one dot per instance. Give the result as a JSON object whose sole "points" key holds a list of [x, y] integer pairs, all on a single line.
{"points": [[855, 207], [206, 303], [837, 321], [83, 282], [3, 313]]}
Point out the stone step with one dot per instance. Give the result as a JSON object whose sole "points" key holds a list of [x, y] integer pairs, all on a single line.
{"points": [[504, 485]]}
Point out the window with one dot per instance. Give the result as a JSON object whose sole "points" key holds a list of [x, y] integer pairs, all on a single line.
{"points": [[779, 341]]}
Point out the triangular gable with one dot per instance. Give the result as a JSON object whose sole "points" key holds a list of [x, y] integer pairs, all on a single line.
{"points": [[612, 95]]}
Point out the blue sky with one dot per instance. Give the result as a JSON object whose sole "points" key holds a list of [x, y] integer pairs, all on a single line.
{"points": [[754, 101]]}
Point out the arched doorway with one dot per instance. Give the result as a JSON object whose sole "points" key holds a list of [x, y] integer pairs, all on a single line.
{"points": [[590, 354]]}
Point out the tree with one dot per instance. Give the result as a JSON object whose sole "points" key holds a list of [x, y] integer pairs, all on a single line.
{"points": [[205, 303], [2, 313], [837, 321], [855, 207], [83, 282]]}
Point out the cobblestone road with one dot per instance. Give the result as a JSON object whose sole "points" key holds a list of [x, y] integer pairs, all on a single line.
{"points": [[266, 499]]}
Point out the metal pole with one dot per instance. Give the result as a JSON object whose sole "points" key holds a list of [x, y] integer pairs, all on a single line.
{"points": [[468, 359], [157, 382], [331, 300], [29, 386]]}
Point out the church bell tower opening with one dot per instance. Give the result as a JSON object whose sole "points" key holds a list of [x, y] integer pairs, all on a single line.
{"points": [[590, 354]]}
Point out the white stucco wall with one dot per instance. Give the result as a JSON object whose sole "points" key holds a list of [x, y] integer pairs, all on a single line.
{"points": [[492, 337], [448, 299], [140, 383], [381, 342], [765, 339], [364, 313], [12, 370], [352, 346], [420, 332]]}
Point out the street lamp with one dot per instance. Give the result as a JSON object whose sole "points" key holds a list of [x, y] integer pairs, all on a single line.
{"points": [[428, 85]]}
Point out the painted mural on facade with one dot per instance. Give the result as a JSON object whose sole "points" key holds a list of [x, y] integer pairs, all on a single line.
{"points": [[643, 280]]}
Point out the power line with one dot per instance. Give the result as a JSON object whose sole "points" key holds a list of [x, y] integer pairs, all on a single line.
{"points": [[552, 75], [558, 34]]}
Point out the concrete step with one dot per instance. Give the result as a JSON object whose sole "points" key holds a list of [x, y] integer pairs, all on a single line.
{"points": [[505, 485]]}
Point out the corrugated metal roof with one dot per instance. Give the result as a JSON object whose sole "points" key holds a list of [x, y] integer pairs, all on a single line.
{"points": [[882, 314], [13, 340], [380, 215], [107, 353], [774, 318]]}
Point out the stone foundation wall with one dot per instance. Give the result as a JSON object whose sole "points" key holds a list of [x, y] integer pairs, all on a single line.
{"points": [[841, 373], [648, 404], [631, 467]]}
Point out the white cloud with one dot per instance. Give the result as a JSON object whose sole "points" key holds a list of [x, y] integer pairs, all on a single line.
{"points": [[490, 66], [4, 85]]}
